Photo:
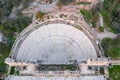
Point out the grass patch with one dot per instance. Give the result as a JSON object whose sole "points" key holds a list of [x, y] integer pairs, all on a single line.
{"points": [[114, 72], [12, 70], [17, 72], [112, 47], [3, 66], [86, 13], [1, 27], [106, 22], [61, 67]]}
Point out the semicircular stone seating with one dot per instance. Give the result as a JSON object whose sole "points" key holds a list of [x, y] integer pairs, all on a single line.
{"points": [[56, 44]]}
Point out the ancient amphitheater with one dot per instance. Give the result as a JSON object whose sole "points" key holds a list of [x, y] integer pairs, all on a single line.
{"points": [[56, 44], [59, 39]]}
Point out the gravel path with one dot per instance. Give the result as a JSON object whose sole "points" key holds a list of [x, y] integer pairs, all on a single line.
{"points": [[105, 34]]}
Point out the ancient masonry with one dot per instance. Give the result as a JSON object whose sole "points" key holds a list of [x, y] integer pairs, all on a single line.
{"points": [[60, 38]]}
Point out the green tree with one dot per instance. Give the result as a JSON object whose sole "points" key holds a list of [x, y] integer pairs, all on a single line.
{"points": [[112, 47], [4, 52], [111, 15]]}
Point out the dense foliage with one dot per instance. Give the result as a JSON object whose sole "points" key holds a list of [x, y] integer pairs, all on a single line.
{"points": [[10, 27], [17, 24], [7, 5], [114, 72], [112, 47], [4, 51], [91, 16], [111, 14], [86, 13]]}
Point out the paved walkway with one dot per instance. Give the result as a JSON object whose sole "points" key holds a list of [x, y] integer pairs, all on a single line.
{"points": [[106, 33], [115, 62]]}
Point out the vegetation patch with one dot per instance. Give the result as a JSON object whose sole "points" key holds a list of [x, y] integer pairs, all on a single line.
{"points": [[10, 27], [91, 16], [112, 47], [61, 67], [40, 15], [78, 3], [4, 52], [114, 72], [12, 70], [1, 27], [86, 13], [101, 29], [111, 15]]}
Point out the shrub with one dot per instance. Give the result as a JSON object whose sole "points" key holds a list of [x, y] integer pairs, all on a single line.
{"points": [[39, 15], [112, 47], [86, 13], [111, 15], [101, 29]]}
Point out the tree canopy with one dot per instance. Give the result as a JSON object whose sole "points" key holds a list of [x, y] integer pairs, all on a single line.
{"points": [[112, 47], [111, 15]]}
